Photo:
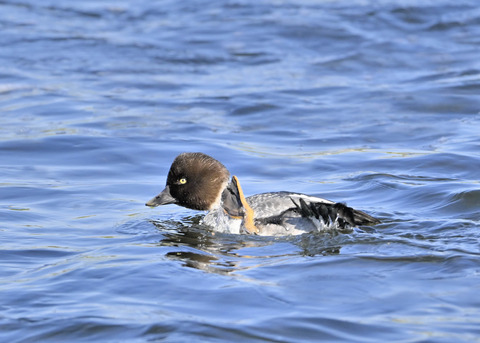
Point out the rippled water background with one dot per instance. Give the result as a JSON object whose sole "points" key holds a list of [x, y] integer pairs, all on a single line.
{"points": [[375, 103]]}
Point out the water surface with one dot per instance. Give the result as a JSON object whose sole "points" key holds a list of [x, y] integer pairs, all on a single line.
{"points": [[371, 103]]}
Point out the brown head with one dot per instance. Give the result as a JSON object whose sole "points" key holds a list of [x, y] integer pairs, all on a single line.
{"points": [[195, 181]]}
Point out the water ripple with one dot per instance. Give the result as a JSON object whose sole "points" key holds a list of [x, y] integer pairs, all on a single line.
{"points": [[373, 105]]}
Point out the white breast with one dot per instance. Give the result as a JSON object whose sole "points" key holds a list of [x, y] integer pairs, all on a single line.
{"points": [[219, 221]]}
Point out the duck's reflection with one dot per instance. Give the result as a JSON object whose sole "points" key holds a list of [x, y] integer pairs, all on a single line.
{"points": [[197, 247]]}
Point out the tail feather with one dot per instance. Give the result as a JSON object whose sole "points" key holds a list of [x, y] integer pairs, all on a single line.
{"points": [[336, 212], [361, 218]]}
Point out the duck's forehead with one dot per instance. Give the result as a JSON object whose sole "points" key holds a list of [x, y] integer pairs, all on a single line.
{"points": [[183, 167], [174, 173], [197, 165]]}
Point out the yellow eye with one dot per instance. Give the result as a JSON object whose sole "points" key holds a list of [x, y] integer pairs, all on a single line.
{"points": [[182, 181]]}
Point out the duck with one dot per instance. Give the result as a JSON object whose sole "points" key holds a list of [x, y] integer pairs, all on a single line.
{"points": [[200, 182]]}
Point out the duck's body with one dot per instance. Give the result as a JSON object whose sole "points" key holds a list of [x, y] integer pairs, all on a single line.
{"points": [[200, 182]]}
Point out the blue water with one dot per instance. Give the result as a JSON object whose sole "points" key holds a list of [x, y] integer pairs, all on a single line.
{"points": [[372, 103]]}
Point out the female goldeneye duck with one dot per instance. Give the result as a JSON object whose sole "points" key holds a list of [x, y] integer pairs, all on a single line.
{"points": [[200, 182]]}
